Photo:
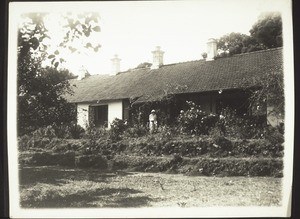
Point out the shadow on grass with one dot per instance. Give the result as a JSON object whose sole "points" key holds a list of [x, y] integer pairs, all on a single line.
{"points": [[58, 198], [108, 197], [57, 175]]}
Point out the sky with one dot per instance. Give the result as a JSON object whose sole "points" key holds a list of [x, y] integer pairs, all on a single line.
{"points": [[133, 29]]}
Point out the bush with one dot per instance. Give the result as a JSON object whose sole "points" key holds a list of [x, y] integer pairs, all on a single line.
{"points": [[238, 167], [196, 121], [274, 135], [118, 126], [242, 126], [48, 159], [200, 166], [91, 161], [135, 131], [76, 131]]}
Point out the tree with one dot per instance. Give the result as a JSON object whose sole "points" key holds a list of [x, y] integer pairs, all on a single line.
{"points": [[41, 89], [268, 30], [266, 33], [144, 65], [236, 43]]}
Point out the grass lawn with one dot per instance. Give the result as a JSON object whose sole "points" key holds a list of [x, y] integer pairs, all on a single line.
{"points": [[56, 187]]}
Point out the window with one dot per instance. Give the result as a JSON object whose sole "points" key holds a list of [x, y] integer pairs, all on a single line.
{"points": [[101, 115]]}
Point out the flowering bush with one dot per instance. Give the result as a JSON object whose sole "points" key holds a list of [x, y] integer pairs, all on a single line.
{"points": [[118, 126], [244, 126], [195, 120], [135, 131]]}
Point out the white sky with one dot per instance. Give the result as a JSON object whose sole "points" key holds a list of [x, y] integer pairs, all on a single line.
{"points": [[133, 29]]}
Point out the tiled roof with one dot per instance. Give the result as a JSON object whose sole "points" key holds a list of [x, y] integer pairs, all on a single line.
{"points": [[148, 84]]}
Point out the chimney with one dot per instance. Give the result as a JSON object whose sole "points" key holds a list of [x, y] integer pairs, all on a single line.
{"points": [[157, 58], [115, 65], [82, 73], [211, 49]]}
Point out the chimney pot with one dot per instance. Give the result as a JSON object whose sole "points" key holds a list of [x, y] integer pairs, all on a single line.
{"points": [[82, 73], [211, 49], [157, 58], [115, 65]]}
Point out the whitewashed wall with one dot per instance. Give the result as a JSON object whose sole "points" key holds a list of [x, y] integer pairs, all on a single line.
{"points": [[115, 110], [83, 114]]}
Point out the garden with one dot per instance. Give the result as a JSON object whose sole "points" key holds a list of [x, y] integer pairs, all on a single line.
{"points": [[200, 145]]}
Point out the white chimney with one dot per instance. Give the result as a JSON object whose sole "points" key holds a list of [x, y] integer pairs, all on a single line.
{"points": [[115, 65], [82, 73], [211, 49], [158, 59]]}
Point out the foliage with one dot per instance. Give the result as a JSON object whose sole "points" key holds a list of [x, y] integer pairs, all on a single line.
{"points": [[91, 161], [49, 159], [236, 43], [135, 131], [266, 33], [76, 131], [268, 30], [270, 90], [238, 167], [40, 101], [196, 121], [41, 90], [144, 65], [242, 126], [118, 126]]}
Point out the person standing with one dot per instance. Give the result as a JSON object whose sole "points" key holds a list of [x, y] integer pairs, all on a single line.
{"points": [[152, 121]]}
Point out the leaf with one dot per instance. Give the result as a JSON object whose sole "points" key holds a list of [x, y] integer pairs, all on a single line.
{"points": [[87, 33], [52, 61], [97, 29], [62, 60], [51, 56], [88, 45], [56, 52], [72, 49], [34, 43], [56, 64]]}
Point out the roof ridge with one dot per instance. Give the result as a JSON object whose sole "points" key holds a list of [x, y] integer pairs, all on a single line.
{"points": [[197, 60], [258, 51]]}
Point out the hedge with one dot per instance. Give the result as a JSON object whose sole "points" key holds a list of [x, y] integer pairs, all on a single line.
{"points": [[201, 166], [47, 158], [91, 161], [154, 146]]}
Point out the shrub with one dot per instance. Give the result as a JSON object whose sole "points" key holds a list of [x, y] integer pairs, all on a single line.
{"points": [[49, 159], [238, 167], [48, 132], [91, 161], [196, 121], [242, 126], [274, 135], [76, 131], [118, 126], [135, 131]]}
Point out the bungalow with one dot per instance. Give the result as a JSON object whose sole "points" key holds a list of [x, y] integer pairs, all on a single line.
{"points": [[213, 83]]}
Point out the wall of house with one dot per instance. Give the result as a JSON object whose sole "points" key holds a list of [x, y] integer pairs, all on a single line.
{"points": [[83, 114], [115, 110]]}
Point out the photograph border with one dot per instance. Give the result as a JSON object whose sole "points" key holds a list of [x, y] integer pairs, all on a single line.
{"points": [[77, 212]]}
